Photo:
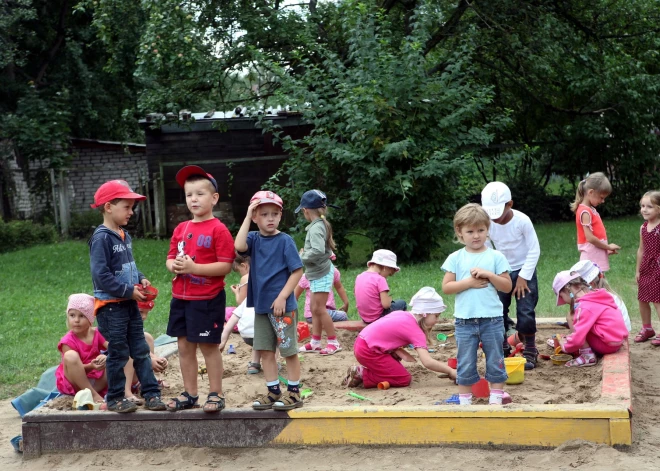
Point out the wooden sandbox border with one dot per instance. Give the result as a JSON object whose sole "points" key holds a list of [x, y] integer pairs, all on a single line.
{"points": [[607, 421]]}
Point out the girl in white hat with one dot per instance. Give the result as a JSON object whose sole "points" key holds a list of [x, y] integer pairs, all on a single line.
{"points": [[372, 293], [379, 346]]}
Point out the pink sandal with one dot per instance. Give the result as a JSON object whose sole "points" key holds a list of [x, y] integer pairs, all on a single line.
{"points": [[353, 377], [644, 335], [583, 361], [330, 349], [307, 348], [656, 341]]}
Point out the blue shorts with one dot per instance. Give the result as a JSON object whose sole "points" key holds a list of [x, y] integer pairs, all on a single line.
{"points": [[323, 284], [197, 321], [490, 332]]}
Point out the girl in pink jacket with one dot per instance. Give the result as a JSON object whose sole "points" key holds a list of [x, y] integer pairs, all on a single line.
{"points": [[597, 323]]}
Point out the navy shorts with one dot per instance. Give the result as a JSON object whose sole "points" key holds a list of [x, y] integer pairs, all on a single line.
{"points": [[197, 321]]}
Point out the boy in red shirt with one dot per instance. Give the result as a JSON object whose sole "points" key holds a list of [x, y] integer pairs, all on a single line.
{"points": [[201, 254]]}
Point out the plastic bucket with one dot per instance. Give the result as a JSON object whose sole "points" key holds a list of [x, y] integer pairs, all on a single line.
{"points": [[515, 368]]}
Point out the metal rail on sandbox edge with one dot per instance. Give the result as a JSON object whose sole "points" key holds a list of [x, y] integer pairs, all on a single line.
{"points": [[607, 421]]}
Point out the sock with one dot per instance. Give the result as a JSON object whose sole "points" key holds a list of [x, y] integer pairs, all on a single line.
{"points": [[274, 387], [293, 386], [586, 351], [496, 396], [647, 326], [316, 341], [530, 342], [333, 340], [465, 399]]}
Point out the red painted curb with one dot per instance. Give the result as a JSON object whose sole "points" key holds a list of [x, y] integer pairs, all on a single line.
{"points": [[616, 383]]}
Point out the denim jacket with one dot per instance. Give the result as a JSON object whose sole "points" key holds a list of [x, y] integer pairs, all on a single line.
{"points": [[112, 265]]}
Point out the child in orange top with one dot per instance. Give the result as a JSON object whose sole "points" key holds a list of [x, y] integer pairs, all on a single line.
{"points": [[591, 235], [83, 365]]}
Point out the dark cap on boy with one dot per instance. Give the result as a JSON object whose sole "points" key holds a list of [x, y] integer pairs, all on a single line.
{"points": [[190, 170], [113, 190]]}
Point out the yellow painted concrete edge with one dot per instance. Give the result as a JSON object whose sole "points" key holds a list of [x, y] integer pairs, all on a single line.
{"points": [[527, 411]]}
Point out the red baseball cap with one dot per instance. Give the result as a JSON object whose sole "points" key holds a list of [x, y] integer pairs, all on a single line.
{"points": [[190, 170], [115, 189], [266, 197]]}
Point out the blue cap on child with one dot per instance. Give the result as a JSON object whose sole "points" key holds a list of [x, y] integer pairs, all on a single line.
{"points": [[313, 199]]}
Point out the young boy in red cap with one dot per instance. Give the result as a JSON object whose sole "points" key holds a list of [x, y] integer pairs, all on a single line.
{"points": [[201, 254], [115, 276]]}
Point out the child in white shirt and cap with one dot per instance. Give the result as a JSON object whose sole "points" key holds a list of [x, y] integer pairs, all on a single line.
{"points": [[514, 236]]}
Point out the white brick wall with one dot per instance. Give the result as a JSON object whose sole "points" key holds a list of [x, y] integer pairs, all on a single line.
{"points": [[89, 169]]}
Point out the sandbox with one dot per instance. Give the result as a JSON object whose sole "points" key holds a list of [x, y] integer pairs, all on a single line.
{"points": [[553, 404]]}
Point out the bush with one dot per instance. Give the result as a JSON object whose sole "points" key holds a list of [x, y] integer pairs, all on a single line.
{"points": [[21, 234], [83, 224]]}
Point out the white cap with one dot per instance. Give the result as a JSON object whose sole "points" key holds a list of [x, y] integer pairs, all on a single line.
{"points": [[386, 258], [493, 198], [427, 301], [587, 270]]}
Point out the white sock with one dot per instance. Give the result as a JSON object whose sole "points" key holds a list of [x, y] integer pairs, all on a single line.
{"points": [[496, 397], [465, 399]]}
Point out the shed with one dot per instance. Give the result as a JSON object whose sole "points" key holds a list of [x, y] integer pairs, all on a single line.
{"points": [[234, 150]]}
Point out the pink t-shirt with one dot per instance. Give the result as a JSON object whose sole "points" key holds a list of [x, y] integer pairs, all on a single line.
{"points": [[87, 354], [304, 284], [395, 330], [368, 286]]}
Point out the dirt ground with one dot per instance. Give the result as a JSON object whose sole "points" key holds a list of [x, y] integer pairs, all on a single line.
{"points": [[547, 384]]}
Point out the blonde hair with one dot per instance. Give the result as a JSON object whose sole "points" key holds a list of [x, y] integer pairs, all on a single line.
{"points": [[653, 196], [321, 212], [427, 330], [470, 215], [601, 283], [596, 181]]}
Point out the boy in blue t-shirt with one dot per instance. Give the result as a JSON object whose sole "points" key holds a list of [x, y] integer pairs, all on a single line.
{"points": [[275, 270]]}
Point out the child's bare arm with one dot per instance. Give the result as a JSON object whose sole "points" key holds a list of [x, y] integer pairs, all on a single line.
{"points": [[433, 364], [341, 292], [502, 282], [240, 243], [640, 254], [279, 305], [233, 320], [186, 265], [451, 286], [585, 219], [385, 299], [298, 291]]}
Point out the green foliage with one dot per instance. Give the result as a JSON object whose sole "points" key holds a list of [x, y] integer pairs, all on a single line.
{"points": [[388, 140], [16, 235], [83, 224]]}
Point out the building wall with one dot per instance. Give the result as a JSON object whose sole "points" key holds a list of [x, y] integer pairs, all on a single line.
{"points": [[95, 163]]}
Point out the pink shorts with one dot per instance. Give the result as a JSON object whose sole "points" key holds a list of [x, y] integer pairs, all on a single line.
{"points": [[600, 347], [598, 256]]}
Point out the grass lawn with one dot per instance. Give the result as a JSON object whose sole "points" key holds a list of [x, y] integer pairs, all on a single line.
{"points": [[35, 284]]}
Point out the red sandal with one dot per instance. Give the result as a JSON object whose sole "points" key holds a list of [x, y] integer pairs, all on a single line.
{"points": [[644, 335]]}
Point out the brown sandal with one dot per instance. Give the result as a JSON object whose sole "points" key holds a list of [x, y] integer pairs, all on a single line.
{"points": [[291, 401], [266, 401]]}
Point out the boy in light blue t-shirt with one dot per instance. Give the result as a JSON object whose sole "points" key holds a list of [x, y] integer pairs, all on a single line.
{"points": [[475, 273]]}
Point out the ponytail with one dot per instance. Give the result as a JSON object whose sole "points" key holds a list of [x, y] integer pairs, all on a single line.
{"points": [[579, 196], [329, 241]]}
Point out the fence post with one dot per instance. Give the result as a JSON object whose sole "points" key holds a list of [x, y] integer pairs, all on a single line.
{"points": [[65, 214], [159, 218], [53, 186]]}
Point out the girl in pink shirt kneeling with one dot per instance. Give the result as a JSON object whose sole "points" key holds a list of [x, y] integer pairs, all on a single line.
{"points": [[379, 347], [597, 323]]}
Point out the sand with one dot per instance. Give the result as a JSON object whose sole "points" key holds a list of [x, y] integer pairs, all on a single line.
{"points": [[547, 384]]}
